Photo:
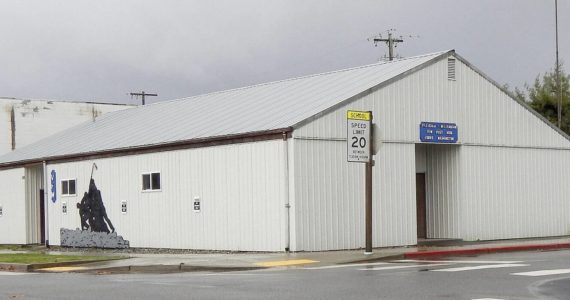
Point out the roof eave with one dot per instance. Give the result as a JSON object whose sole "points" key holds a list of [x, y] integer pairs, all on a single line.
{"points": [[193, 143]]}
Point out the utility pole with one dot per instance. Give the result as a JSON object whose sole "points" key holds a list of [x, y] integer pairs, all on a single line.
{"points": [[391, 42], [558, 87], [143, 94]]}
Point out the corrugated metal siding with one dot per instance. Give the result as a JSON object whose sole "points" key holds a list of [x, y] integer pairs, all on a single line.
{"points": [[443, 186], [329, 197], [13, 220], [485, 116], [483, 113], [514, 193], [34, 182], [241, 187], [394, 196]]}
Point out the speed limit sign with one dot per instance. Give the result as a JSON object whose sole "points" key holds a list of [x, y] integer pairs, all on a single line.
{"points": [[358, 135]]}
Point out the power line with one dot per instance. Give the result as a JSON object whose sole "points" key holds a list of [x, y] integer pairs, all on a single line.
{"points": [[391, 41]]}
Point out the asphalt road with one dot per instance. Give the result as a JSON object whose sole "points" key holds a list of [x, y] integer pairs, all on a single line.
{"points": [[535, 275]]}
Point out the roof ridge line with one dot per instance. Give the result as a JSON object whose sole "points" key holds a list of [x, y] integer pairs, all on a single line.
{"points": [[303, 77]]}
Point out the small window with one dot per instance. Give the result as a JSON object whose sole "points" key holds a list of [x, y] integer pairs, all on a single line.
{"points": [[68, 187], [151, 182]]}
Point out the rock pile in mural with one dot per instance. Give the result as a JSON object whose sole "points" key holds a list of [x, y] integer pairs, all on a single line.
{"points": [[84, 238], [95, 224]]}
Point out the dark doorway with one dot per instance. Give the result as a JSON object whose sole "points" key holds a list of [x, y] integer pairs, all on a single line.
{"points": [[42, 218], [421, 205]]}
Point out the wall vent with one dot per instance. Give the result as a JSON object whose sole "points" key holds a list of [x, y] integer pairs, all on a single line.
{"points": [[451, 68]]}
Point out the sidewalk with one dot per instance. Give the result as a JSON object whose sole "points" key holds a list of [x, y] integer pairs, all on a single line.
{"points": [[168, 263]]}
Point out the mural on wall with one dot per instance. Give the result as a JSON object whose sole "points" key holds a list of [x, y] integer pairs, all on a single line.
{"points": [[92, 211], [96, 227]]}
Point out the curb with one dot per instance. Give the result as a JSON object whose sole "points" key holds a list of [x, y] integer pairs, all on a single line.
{"points": [[373, 259], [15, 267], [163, 269], [460, 252]]}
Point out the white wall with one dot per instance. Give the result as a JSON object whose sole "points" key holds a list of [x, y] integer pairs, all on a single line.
{"points": [[36, 119], [443, 186], [34, 183], [242, 188], [483, 113], [514, 193], [329, 198], [12, 200], [487, 118]]}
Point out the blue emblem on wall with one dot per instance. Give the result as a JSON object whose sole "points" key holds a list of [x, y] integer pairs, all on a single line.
{"points": [[53, 187], [432, 132]]}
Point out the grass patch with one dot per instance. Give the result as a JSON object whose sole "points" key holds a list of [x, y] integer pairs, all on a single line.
{"points": [[37, 258]]}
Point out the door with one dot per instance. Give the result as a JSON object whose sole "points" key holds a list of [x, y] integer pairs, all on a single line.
{"points": [[42, 218], [421, 205]]}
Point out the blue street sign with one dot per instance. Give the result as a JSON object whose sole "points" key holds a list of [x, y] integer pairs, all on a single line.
{"points": [[433, 132]]}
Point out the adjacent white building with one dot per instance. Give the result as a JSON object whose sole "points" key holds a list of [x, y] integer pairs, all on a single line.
{"points": [[264, 168], [25, 121]]}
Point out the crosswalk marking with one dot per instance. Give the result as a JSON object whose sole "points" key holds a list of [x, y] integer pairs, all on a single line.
{"points": [[402, 267], [345, 266], [491, 266], [460, 261], [544, 272]]}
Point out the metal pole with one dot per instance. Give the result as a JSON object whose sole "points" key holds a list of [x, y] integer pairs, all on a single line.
{"points": [[558, 87], [46, 202], [368, 194], [368, 179], [390, 47]]}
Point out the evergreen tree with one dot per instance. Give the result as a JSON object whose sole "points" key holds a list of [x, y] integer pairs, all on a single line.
{"points": [[543, 97]]}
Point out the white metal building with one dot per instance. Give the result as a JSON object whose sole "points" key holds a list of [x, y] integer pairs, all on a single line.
{"points": [[268, 165]]}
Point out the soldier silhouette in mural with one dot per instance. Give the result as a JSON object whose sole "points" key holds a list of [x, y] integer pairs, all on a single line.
{"points": [[99, 219], [92, 211], [84, 211]]}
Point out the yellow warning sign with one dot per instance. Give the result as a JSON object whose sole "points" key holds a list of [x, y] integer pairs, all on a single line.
{"points": [[358, 115]]}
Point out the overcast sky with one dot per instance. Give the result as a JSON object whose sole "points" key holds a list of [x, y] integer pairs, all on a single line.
{"points": [[102, 50]]}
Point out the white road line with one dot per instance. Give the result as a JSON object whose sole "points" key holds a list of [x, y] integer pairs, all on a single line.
{"points": [[544, 272], [488, 299], [402, 267], [495, 266], [345, 266], [13, 274], [460, 261]]}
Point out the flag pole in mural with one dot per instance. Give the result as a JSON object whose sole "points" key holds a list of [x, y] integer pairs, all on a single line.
{"points": [[96, 227]]}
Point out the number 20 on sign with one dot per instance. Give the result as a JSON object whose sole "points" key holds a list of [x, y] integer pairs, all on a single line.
{"points": [[358, 135]]}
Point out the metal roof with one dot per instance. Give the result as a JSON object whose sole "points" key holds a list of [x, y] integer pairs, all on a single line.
{"points": [[259, 108]]}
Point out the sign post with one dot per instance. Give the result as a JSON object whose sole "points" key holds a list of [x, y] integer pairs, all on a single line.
{"points": [[359, 141]]}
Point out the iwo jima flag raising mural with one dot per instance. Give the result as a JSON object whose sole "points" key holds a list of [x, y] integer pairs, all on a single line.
{"points": [[96, 227]]}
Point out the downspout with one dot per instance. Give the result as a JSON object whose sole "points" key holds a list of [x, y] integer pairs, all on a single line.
{"points": [[286, 193], [46, 202]]}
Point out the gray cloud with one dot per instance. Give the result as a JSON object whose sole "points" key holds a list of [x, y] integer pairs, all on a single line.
{"points": [[101, 50]]}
